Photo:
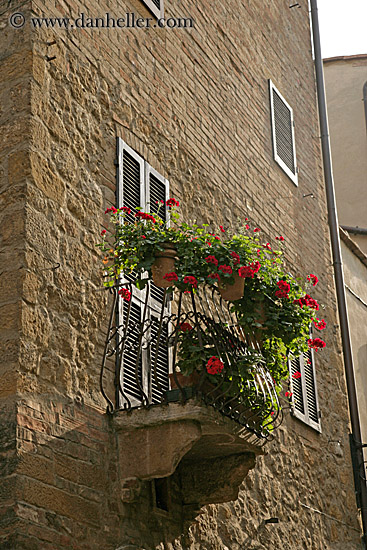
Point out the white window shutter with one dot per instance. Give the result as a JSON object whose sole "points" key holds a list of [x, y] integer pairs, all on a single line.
{"points": [[304, 390], [282, 124], [139, 185], [156, 7]]}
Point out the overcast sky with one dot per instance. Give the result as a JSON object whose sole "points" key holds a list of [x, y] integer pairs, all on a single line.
{"points": [[343, 27]]}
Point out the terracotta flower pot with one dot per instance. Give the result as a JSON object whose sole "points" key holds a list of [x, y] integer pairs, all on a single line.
{"points": [[185, 381], [164, 263], [232, 292]]}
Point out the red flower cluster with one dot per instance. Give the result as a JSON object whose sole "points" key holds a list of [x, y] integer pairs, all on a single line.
{"points": [[320, 324], [214, 365], [246, 271], [103, 232], [211, 260], [255, 266], [125, 294], [171, 276], [145, 216], [236, 258], [296, 375], [190, 280], [225, 269], [185, 327], [256, 229], [112, 209], [288, 394], [267, 245], [247, 226], [126, 209], [222, 229], [307, 301], [284, 289], [214, 276], [172, 202], [316, 343], [313, 279], [280, 238]]}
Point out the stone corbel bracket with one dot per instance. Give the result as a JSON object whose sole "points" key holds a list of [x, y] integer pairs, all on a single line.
{"points": [[212, 453]]}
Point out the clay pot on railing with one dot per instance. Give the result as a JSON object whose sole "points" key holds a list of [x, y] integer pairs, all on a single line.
{"points": [[232, 292], [185, 381], [164, 263]]}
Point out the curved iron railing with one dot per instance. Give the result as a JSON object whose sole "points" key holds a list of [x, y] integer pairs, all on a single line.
{"points": [[146, 342]]}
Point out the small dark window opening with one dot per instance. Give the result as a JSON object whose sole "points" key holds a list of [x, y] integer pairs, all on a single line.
{"points": [[161, 493]]}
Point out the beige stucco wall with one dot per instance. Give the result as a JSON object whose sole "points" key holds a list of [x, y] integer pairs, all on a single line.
{"points": [[344, 81], [355, 273]]}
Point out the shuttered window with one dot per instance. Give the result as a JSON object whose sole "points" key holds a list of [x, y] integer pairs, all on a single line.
{"points": [[156, 7], [304, 390], [282, 125], [139, 185]]}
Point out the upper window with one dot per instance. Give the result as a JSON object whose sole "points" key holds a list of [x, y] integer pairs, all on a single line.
{"points": [[156, 7], [139, 185], [283, 133], [304, 390]]}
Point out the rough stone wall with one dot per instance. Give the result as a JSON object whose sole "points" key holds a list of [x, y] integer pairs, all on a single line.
{"points": [[194, 103]]}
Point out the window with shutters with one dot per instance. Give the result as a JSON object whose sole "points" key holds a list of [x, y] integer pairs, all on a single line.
{"points": [[304, 390], [156, 7], [282, 125], [139, 185]]}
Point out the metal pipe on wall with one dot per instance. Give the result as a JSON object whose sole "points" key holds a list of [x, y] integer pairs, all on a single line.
{"points": [[337, 262]]}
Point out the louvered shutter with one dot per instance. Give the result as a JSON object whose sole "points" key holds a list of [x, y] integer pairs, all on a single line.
{"points": [[282, 123], [156, 7], [304, 390], [131, 193], [157, 190], [139, 185]]}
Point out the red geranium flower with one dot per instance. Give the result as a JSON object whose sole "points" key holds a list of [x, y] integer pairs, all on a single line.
{"points": [[211, 260], [214, 276], [145, 216], [280, 238], [112, 209], [125, 294], [171, 276], [316, 343], [256, 229], [236, 258], [320, 324], [190, 280], [126, 209], [214, 365], [103, 232], [172, 202], [296, 375], [222, 229], [225, 269], [246, 271], [313, 279], [255, 266], [185, 327]]}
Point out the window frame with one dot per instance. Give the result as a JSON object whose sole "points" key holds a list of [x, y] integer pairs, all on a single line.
{"points": [[139, 296], [277, 158], [157, 12]]}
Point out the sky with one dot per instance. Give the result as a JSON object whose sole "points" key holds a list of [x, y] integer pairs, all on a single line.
{"points": [[343, 27]]}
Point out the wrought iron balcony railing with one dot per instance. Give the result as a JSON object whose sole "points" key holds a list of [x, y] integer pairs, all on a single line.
{"points": [[155, 331]]}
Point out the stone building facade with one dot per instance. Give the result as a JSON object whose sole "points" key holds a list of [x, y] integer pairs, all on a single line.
{"points": [[194, 103]]}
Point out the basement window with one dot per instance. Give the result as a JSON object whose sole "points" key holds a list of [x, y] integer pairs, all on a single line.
{"points": [[282, 126]]}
